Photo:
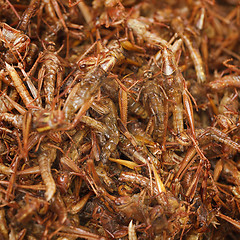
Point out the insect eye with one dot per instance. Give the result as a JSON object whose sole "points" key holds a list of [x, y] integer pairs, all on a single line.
{"points": [[82, 66], [99, 210]]}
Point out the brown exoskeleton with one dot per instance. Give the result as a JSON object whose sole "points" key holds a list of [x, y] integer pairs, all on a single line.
{"points": [[15, 41], [108, 220], [155, 100], [45, 159], [83, 93], [109, 118], [173, 82], [51, 74], [178, 26], [168, 203], [224, 82], [50, 120]]}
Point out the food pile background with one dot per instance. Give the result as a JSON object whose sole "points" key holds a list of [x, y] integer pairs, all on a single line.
{"points": [[119, 119]]}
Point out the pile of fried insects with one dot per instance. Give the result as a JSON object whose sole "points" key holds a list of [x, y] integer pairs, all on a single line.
{"points": [[119, 119]]}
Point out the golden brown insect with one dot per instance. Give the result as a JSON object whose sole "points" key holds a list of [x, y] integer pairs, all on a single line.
{"points": [[130, 87], [32, 54], [51, 74], [155, 100], [139, 153], [115, 53], [57, 206], [108, 221], [228, 111], [137, 129], [168, 202], [54, 17], [219, 136], [224, 82], [143, 182], [73, 209], [82, 95], [107, 181], [20, 87], [28, 14], [15, 42], [57, 21], [173, 85], [93, 180], [133, 207], [178, 26], [45, 159], [141, 29], [113, 12], [43, 120], [109, 118]]}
